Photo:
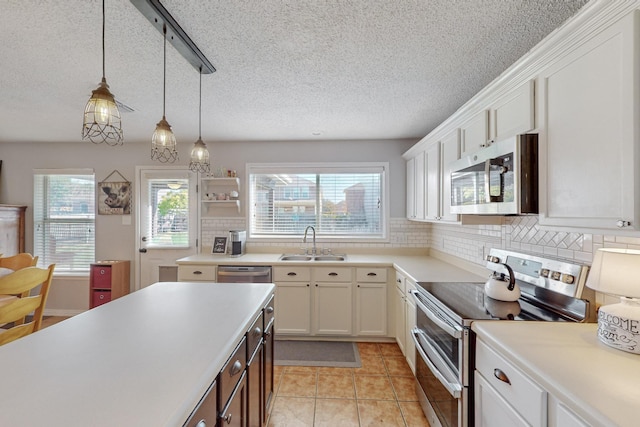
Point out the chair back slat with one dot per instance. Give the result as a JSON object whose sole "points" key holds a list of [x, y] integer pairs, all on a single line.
{"points": [[14, 310], [19, 261]]}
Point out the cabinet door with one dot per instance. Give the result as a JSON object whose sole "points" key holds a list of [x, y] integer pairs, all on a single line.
{"points": [[588, 163], [410, 319], [513, 114], [411, 188], [332, 308], [401, 319], [293, 305], [491, 409], [432, 164], [474, 133], [565, 417], [420, 186], [371, 309], [450, 151]]}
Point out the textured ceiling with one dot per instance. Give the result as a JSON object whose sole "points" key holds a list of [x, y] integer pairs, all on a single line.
{"points": [[286, 69]]}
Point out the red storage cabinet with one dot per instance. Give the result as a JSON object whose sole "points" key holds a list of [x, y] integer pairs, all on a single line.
{"points": [[108, 280]]}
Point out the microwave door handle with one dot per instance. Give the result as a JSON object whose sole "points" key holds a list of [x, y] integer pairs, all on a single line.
{"points": [[454, 389], [487, 184]]}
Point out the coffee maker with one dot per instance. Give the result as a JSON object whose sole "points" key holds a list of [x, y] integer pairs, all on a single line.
{"points": [[237, 242]]}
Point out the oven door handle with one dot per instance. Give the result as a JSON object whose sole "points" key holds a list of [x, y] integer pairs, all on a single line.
{"points": [[447, 327], [454, 389]]}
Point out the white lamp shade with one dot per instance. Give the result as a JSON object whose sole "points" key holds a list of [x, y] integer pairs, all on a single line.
{"points": [[616, 272]]}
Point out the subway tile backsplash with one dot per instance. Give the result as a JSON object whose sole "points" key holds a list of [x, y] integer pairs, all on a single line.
{"points": [[469, 242]]}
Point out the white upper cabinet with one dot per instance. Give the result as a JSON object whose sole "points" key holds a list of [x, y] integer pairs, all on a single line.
{"points": [[511, 114], [432, 174], [449, 152], [514, 113], [416, 187], [474, 133], [589, 170]]}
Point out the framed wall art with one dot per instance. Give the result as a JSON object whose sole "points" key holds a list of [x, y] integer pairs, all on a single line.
{"points": [[219, 245], [114, 197]]}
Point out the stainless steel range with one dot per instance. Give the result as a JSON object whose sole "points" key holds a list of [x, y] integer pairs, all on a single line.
{"points": [[550, 290]]}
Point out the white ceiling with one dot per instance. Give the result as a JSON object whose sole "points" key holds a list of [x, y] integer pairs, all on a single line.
{"points": [[286, 69]]}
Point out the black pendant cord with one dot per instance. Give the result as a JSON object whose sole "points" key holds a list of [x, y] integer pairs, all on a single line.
{"points": [[200, 108], [103, 25], [164, 71]]}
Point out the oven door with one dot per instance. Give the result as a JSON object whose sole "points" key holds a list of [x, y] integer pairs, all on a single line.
{"points": [[440, 365]]}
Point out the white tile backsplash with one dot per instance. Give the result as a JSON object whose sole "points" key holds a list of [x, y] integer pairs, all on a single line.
{"points": [[469, 242]]}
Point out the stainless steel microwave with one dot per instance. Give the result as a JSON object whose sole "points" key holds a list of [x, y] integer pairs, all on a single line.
{"points": [[501, 179]]}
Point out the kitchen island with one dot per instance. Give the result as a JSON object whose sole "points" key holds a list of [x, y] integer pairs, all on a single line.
{"points": [[145, 359]]}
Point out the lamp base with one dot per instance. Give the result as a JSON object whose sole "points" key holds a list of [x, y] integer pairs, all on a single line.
{"points": [[619, 325]]}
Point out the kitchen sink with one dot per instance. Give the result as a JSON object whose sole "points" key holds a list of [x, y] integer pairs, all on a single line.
{"points": [[330, 258], [301, 257], [286, 257]]}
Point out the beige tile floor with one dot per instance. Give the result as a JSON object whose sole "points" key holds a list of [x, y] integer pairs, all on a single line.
{"points": [[380, 393]]}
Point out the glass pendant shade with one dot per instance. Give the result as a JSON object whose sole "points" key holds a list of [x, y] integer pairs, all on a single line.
{"points": [[163, 143], [200, 157]]}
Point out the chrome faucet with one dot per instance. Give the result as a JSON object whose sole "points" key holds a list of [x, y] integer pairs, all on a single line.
{"points": [[304, 239]]}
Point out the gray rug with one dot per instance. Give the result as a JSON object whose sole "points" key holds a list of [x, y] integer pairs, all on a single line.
{"points": [[317, 353]]}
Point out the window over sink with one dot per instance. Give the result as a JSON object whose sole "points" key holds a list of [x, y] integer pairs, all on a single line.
{"points": [[341, 201]]}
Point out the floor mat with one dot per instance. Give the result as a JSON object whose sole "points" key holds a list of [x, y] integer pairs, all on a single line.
{"points": [[316, 353]]}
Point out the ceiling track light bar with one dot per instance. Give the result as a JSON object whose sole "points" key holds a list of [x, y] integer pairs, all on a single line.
{"points": [[155, 12]]}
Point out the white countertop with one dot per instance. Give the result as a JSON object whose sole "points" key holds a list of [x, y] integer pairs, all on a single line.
{"points": [[597, 382], [144, 359], [420, 268]]}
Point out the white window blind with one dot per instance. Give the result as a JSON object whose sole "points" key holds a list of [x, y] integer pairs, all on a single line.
{"points": [[340, 202], [64, 219]]}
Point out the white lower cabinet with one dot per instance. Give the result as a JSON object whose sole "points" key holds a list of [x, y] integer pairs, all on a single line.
{"points": [[371, 302], [562, 416], [331, 301], [505, 396], [400, 313], [410, 323], [501, 388], [293, 300]]}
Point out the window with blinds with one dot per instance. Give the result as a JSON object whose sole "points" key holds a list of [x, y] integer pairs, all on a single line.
{"points": [[64, 219], [346, 201]]}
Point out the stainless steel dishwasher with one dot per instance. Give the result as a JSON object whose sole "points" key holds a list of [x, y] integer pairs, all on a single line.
{"points": [[244, 274]]}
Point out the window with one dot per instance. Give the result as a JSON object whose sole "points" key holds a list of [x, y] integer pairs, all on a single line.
{"points": [[64, 219], [339, 201], [168, 208]]}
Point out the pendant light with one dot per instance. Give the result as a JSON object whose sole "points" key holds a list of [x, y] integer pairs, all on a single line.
{"points": [[101, 115], [163, 141], [199, 153]]}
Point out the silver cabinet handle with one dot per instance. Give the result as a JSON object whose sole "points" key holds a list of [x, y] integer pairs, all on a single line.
{"points": [[227, 419], [202, 423], [236, 368]]}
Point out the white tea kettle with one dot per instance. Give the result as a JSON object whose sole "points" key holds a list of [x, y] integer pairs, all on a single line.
{"points": [[498, 287]]}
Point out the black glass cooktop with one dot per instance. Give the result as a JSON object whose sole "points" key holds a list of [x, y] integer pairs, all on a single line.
{"points": [[467, 301]]}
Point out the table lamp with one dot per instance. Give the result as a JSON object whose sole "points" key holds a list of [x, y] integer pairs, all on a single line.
{"points": [[617, 272]]}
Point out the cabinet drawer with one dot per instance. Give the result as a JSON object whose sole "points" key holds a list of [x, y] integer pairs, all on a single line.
{"points": [[196, 273], [206, 411], [378, 275], [291, 274], [232, 371], [400, 282], [254, 336], [101, 276], [332, 274], [526, 397], [100, 297], [269, 313]]}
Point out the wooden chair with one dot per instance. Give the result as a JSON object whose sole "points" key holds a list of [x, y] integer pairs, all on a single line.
{"points": [[19, 261], [14, 306]]}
